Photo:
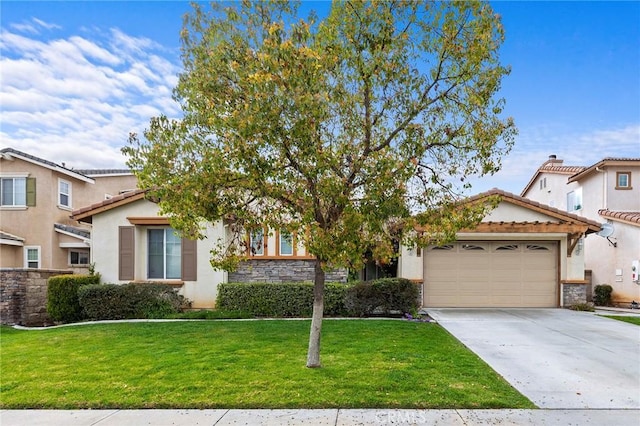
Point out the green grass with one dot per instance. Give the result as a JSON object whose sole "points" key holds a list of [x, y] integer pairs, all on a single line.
{"points": [[632, 320], [246, 364]]}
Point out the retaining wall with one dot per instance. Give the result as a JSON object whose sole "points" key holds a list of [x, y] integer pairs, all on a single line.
{"points": [[23, 296]]}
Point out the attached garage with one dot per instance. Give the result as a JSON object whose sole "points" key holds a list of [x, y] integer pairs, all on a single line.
{"points": [[492, 274], [522, 254]]}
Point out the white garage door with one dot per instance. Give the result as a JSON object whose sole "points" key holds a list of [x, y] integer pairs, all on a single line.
{"points": [[491, 274]]}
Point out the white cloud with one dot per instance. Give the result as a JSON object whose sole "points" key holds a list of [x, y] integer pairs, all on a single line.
{"points": [[75, 99], [533, 147], [46, 25], [25, 28], [29, 27]]}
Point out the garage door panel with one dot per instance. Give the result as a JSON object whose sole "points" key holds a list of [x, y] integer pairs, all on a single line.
{"points": [[502, 274]]}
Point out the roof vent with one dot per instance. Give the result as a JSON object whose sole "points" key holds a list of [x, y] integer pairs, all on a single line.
{"points": [[553, 157]]}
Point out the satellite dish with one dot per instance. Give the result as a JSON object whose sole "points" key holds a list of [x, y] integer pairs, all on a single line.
{"points": [[606, 231]]}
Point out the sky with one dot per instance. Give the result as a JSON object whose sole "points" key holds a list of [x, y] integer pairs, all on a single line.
{"points": [[77, 77]]}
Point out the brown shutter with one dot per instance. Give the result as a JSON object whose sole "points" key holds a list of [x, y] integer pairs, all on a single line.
{"points": [[126, 252], [189, 260], [31, 192]]}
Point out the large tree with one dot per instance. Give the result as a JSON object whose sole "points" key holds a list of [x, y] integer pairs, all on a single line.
{"points": [[344, 130]]}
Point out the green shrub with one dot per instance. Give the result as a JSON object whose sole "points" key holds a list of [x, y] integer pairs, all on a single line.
{"points": [[144, 301], [602, 295], [280, 299], [586, 307], [62, 296], [384, 296]]}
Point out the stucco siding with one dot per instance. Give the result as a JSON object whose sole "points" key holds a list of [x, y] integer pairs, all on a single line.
{"points": [[105, 252], [612, 265], [410, 264], [36, 223], [506, 212]]}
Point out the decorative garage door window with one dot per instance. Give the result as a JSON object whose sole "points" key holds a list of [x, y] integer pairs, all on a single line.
{"points": [[445, 247], [472, 247], [507, 247], [501, 246], [535, 247]]}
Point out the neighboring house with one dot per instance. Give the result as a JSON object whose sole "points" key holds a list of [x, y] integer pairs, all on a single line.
{"points": [[132, 243], [36, 200], [523, 254], [607, 191]]}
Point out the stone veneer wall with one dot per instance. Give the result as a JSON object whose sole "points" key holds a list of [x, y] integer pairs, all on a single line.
{"points": [[573, 294], [281, 270], [23, 296]]}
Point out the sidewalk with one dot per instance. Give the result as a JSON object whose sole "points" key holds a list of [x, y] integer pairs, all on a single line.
{"points": [[333, 417]]}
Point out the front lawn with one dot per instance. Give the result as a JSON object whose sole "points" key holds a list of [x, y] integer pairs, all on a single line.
{"points": [[246, 364], [633, 320]]}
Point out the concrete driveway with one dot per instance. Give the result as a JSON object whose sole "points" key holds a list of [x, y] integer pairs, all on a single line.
{"points": [[556, 357]]}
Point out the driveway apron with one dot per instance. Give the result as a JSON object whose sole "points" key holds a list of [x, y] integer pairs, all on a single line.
{"points": [[557, 358]]}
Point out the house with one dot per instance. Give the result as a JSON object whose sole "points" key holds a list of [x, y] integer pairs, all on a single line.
{"points": [[134, 243], [522, 254], [607, 191], [37, 197]]}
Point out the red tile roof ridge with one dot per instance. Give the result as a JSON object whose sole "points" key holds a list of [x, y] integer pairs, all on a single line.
{"points": [[108, 202]]}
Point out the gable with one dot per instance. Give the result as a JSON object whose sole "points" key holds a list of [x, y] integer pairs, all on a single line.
{"points": [[140, 208], [536, 217], [508, 212]]}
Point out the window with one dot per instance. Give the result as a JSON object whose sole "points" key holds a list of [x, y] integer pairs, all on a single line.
{"points": [[543, 183], [574, 200], [471, 247], [78, 257], [164, 254], [64, 193], [256, 243], [14, 191], [32, 257], [445, 247], [507, 247], [286, 243], [536, 247], [623, 180]]}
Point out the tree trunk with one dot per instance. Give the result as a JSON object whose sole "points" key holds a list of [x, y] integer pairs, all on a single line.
{"points": [[313, 355]]}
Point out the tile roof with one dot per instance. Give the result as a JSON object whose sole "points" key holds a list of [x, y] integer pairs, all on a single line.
{"points": [[99, 172], [84, 233], [551, 211], [551, 168], [608, 161], [8, 152], [629, 217], [84, 214], [11, 237]]}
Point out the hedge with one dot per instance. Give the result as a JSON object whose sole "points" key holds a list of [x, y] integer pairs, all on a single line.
{"points": [[280, 299], [127, 301], [62, 296], [382, 297]]}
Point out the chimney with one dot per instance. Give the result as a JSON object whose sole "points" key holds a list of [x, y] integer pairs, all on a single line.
{"points": [[553, 160]]}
